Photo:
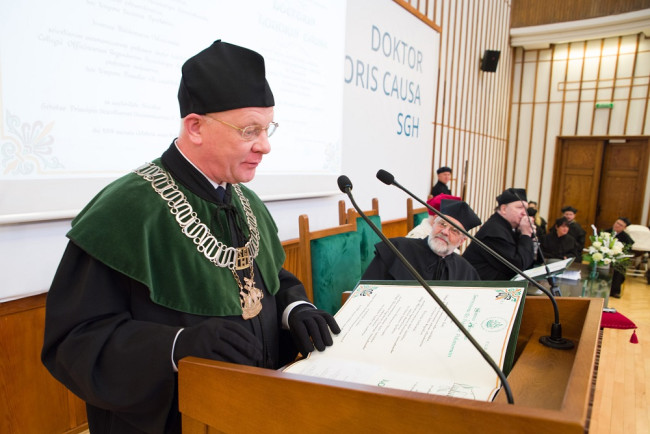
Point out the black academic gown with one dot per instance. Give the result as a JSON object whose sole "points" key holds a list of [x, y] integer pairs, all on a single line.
{"points": [[579, 234], [386, 266], [623, 237], [440, 188], [617, 277], [498, 234], [112, 346], [558, 247]]}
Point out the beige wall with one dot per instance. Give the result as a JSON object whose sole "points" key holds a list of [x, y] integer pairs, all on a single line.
{"points": [[555, 91]]}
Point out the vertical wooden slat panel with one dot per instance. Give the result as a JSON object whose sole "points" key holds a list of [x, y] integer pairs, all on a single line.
{"points": [[437, 130], [517, 129], [453, 81], [532, 115], [630, 91], [593, 117], [472, 106], [545, 203], [566, 74], [471, 146], [581, 74], [481, 170]]}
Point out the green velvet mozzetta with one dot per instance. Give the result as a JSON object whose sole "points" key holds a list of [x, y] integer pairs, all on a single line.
{"points": [[129, 227], [336, 267]]}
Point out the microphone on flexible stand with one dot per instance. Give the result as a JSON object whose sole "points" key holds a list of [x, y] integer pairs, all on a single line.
{"points": [[551, 279], [345, 185], [555, 340]]}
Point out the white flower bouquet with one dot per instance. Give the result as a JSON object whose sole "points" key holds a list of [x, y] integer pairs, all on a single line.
{"points": [[607, 250]]}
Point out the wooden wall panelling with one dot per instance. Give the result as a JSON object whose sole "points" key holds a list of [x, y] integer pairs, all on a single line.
{"points": [[571, 79], [534, 12], [624, 171], [577, 178], [31, 400], [292, 259], [394, 228], [637, 99], [471, 122], [598, 53]]}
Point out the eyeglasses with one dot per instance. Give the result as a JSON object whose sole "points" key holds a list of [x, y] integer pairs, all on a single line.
{"points": [[452, 230], [250, 132]]}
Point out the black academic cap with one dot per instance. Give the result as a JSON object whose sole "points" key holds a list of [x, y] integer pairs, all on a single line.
{"points": [[569, 208], [461, 212], [223, 77], [511, 195], [443, 169]]}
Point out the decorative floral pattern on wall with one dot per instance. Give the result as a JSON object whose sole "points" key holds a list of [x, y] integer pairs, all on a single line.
{"points": [[27, 148]]}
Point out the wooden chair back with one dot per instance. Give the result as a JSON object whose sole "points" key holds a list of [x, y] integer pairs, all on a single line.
{"points": [[330, 262], [414, 215]]}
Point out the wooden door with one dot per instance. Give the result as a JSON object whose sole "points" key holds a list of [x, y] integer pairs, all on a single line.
{"points": [[622, 182], [602, 177], [576, 179]]}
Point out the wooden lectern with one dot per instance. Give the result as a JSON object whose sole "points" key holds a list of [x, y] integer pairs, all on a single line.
{"points": [[551, 390]]}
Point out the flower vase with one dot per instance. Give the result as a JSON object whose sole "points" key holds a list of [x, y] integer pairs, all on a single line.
{"points": [[598, 283], [604, 272], [593, 271]]}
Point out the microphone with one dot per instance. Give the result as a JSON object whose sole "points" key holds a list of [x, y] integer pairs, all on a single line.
{"points": [[345, 185], [555, 340], [552, 280]]}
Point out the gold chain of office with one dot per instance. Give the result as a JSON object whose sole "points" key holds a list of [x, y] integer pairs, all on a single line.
{"points": [[234, 258]]}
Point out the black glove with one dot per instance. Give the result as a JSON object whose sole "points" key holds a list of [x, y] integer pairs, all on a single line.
{"points": [[309, 328], [219, 339]]}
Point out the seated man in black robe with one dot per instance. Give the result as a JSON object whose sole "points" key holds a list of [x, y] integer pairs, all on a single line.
{"points": [[432, 257], [508, 232], [178, 259], [575, 230], [618, 230], [558, 244]]}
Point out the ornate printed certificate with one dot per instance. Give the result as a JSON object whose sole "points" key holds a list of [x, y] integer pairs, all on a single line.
{"points": [[397, 336]]}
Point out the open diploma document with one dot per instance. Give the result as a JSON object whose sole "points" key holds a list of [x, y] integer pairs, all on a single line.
{"points": [[397, 336]]}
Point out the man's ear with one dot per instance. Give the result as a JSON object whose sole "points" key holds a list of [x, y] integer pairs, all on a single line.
{"points": [[192, 126]]}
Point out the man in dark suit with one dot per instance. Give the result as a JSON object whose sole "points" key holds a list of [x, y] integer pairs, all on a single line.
{"points": [[618, 230]]}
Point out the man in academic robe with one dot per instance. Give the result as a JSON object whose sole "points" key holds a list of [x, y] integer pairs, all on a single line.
{"points": [[618, 230], [432, 257], [423, 229], [558, 244], [440, 187], [179, 259], [575, 230], [508, 232]]}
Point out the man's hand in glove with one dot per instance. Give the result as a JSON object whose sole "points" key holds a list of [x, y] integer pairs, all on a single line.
{"points": [[310, 327], [219, 339]]}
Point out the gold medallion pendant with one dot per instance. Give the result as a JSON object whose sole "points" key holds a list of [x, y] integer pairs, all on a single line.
{"points": [[251, 299], [250, 296]]}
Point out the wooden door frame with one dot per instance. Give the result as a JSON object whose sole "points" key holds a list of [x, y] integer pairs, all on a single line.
{"points": [[555, 202]]}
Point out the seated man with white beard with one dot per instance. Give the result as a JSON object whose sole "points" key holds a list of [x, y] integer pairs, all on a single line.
{"points": [[433, 257]]}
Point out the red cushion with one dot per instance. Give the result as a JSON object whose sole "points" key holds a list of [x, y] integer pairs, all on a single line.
{"points": [[616, 320]]}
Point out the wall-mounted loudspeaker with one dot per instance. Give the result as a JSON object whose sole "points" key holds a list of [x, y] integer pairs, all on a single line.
{"points": [[490, 60]]}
